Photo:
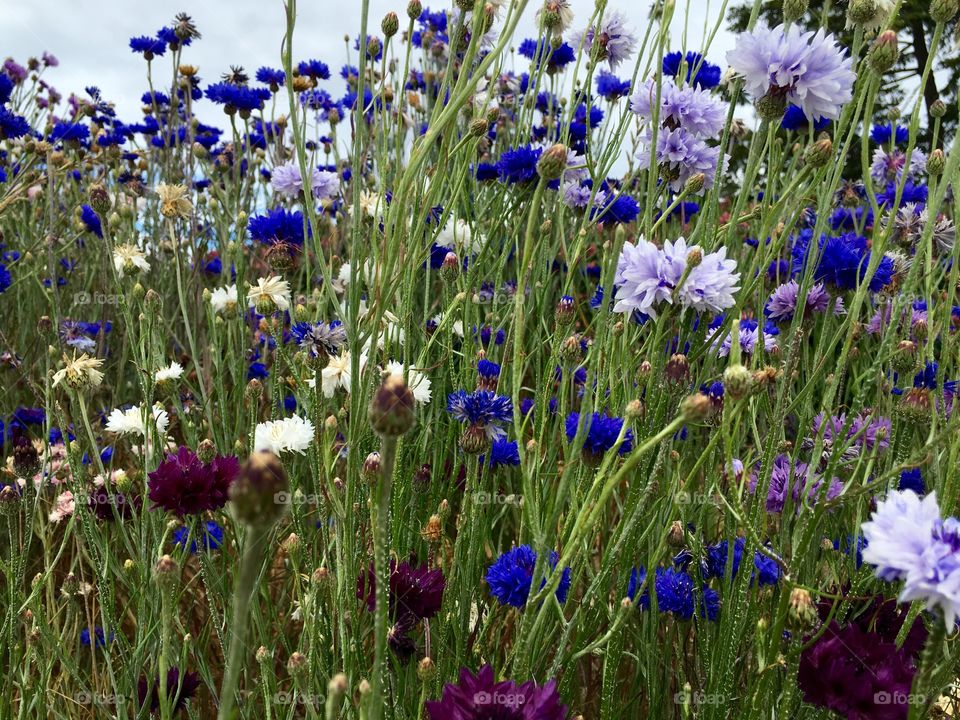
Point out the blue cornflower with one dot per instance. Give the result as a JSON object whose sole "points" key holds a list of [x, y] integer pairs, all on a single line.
{"points": [[487, 369], [98, 636], [601, 433], [149, 47], [269, 76], [12, 125], [617, 210], [611, 87], [511, 576], [6, 88], [794, 119], [707, 74], [236, 98], [6, 280], [212, 537], [482, 409], [675, 591], [91, 220], [556, 58], [257, 371], [278, 227], [912, 480], [319, 339], [519, 165], [766, 570], [842, 261], [882, 134], [311, 68], [69, 132], [502, 452]]}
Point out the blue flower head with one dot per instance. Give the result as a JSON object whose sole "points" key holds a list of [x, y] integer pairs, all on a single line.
{"points": [[511, 576], [278, 227], [601, 433], [212, 537], [483, 409]]}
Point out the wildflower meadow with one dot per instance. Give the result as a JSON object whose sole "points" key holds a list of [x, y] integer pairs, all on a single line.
{"points": [[596, 373]]}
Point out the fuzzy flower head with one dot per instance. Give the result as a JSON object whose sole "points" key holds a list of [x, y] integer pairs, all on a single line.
{"points": [[680, 155], [286, 181], [697, 111], [292, 434], [416, 592], [319, 340], [787, 65], [782, 305], [511, 576]]}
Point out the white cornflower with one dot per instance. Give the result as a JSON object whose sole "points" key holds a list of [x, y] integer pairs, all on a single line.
{"points": [[337, 374], [292, 434], [129, 259], [269, 294], [417, 381], [80, 372], [172, 372], [371, 205], [457, 235], [224, 299], [130, 422]]}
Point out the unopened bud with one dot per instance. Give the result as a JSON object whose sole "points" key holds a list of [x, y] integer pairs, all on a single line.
{"points": [[392, 410], [820, 153], [696, 407], [793, 10], [936, 162], [942, 11], [390, 24], [553, 162], [884, 53], [259, 495]]}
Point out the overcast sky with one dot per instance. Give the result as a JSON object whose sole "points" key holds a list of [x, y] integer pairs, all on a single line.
{"points": [[90, 37]]}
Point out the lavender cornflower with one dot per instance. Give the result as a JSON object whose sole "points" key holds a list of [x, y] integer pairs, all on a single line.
{"points": [[692, 109], [680, 155], [899, 532], [319, 340], [889, 165], [751, 336], [711, 284], [611, 41], [907, 540], [782, 304], [787, 65], [286, 180]]}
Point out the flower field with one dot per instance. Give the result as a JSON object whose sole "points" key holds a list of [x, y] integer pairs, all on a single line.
{"points": [[593, 374]]}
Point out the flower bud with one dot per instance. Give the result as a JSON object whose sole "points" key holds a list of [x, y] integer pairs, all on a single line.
{"points": [[938, 109], [392, 410], [166, 572], [884, 53], [206, 451], [820, 153], [297, 664], [552, 162], [426, 669], [696, 407], [861, 11], [565, 312], [390, 24], [694, 257], [371, 467], [450, 268], [259, 495], [738, 381], [942, 11], [414, 9], [695, 183], [793, 10], [99, 199], [936, 163], [771, 107], [802, 611]]}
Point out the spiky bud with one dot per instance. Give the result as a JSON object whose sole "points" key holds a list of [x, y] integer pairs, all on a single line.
{"points": [[552, 162], [260, 494], [820, 153], [390, 24], [942, 11], [936, 163], [392, 410], [738, 381], [696, 407], [884, 53], [793, 10]]}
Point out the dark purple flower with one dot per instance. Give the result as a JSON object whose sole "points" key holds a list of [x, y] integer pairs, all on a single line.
{"points": [[480, 697], [184, 485], [180, 691], [415, 592]]}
